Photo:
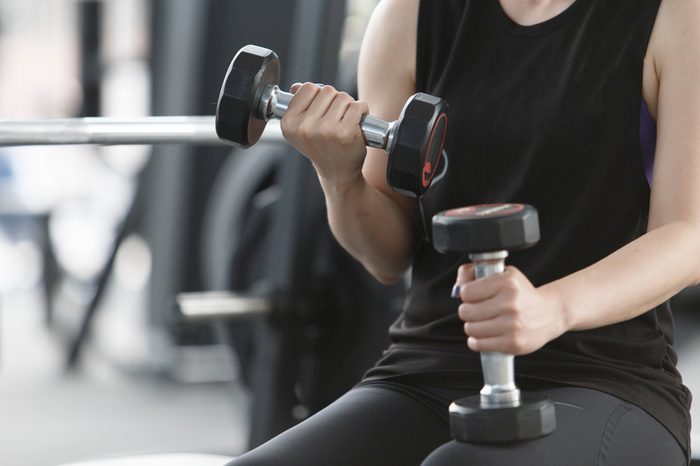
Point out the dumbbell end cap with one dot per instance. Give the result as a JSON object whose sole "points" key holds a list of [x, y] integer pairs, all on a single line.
{"points": [[533, 418], [416, 147], [486, 228], [251, 71]]}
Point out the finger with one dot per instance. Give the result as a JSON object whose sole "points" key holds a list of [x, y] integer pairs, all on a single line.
{"points": [[352, 119], [486, 329], [486, 288], [356, 111], [303, 98], [479, 312], [340, 106], [322, 103], [295, 87], [465, 273], [498, 344]]}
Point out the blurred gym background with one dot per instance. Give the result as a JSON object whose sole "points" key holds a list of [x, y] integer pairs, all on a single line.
{"points": [[96, 242]]}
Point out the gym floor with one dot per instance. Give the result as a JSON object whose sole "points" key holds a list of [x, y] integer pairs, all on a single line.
{"points": [[48, 418]]}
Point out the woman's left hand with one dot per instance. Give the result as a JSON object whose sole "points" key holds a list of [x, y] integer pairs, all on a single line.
{"points": [[505, 313]]}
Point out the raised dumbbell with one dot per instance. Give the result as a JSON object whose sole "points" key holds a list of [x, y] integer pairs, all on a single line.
{"points": [[500, 413], [250, 97]]}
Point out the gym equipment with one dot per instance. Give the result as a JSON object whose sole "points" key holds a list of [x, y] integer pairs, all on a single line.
{"points": [[116, 131], [250, 97], [301, 339], [501, 413]]}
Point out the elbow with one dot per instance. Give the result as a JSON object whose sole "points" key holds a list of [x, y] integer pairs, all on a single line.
{"points": [[388, 276], [387, 279], [692, 233]]}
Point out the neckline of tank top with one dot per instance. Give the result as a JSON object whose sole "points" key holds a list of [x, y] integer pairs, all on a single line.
{"points": [[537, 29]]}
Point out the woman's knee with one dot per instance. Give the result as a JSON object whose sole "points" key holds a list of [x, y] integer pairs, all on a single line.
{"points": [[638, 438], [459, 454]]}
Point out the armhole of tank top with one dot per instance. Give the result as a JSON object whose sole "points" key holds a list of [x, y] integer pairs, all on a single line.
{"points": [[652, 10], [422, 46], [647, 126]]}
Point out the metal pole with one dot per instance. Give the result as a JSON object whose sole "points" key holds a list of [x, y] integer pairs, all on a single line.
{"points": [[118, 131]]}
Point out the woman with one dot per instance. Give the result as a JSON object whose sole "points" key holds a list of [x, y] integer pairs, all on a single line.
{"points": [[546, 102]]}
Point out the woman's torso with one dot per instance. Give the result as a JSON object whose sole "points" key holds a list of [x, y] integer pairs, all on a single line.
{"points": [[547, 115]]}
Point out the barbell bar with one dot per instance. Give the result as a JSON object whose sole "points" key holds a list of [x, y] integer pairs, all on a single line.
{"points": [[119, 131], [248, 100]]}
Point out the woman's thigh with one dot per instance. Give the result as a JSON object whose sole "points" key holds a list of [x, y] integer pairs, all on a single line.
{"points": [[370, 425], [593, 429]]}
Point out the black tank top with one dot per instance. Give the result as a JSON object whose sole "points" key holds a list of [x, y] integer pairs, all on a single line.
{"points": [[547, 115]]}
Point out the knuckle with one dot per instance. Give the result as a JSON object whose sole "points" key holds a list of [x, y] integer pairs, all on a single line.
{"points": [[286, 126], [518, 347], [510, 305], [348, 100], [515, 326], [511, 344], [351, 131], [518, 343], [305, 93], [328, 128], [362, 106], [289, 126], [511, 284], [327, 90], [519, 325], [305, 130], [463, 312]]}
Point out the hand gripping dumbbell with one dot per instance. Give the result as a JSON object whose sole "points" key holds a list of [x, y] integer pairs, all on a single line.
{"points": [[250, 97], [500, 413]]}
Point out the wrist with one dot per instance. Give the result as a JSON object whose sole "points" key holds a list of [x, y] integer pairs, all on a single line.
{"points": [[343, 186], [565, 321]]}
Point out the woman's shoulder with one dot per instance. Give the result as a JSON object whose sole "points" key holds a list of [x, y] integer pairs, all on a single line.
{"points": [[389, 46], [676, 33]]}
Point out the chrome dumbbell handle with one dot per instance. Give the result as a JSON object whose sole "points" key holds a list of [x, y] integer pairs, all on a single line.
{"points": [[498, 368], [275, 102]]}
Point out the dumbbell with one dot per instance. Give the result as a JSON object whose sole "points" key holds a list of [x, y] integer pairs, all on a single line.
{"points": [[250, 97], [500, 413]]}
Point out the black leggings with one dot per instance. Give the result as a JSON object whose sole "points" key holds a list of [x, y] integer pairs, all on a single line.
{"points": [[389, 424]]}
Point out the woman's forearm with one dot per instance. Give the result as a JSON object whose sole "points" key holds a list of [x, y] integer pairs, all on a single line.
{"points": [[372, 227], [630, 281]]}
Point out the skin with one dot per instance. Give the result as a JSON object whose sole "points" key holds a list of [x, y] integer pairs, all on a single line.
{"points": [[505, 312]]}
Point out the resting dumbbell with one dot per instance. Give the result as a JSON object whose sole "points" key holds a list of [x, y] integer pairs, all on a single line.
{"points": [[500, 413], [250, 97]]}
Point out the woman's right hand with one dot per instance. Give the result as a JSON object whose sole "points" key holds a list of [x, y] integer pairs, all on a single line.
{"points": [[324, 125]]}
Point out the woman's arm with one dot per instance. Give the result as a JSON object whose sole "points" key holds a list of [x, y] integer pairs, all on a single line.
{"points": [[506, 313], [377, 226]]}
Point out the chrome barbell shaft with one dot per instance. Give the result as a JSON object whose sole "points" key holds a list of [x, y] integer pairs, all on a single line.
{"points": [[117, 131]]}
